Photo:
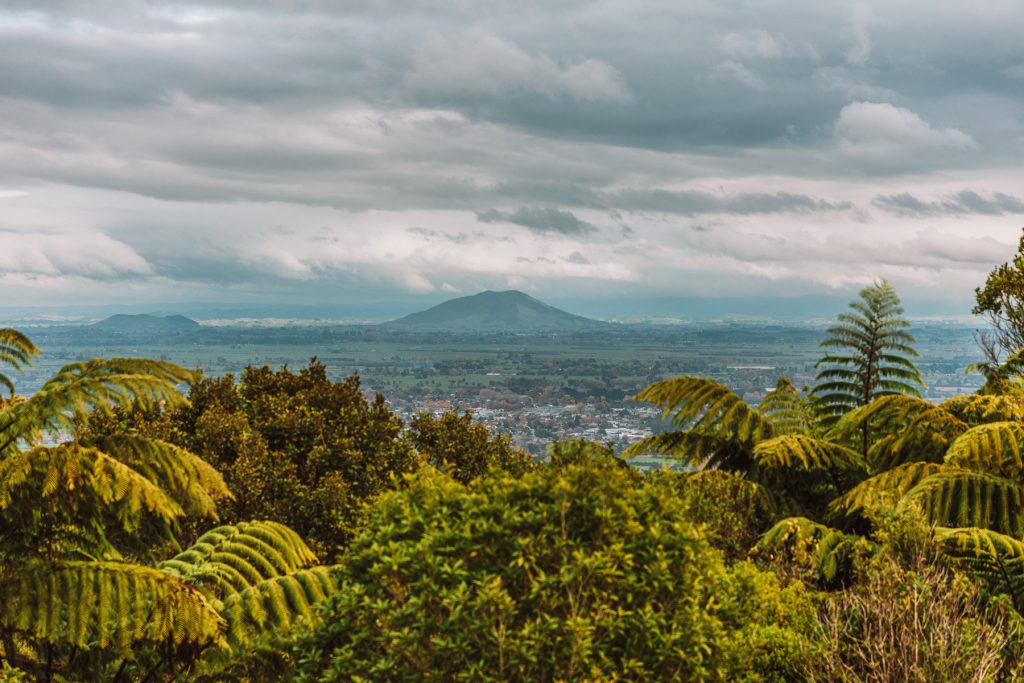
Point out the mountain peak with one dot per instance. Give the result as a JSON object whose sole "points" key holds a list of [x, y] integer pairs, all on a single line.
{"points": [[489, 310]]}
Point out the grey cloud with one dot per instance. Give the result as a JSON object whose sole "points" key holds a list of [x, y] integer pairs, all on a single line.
{"points": [[540, 220], [578, 258], [690, 203], [965, 202]]}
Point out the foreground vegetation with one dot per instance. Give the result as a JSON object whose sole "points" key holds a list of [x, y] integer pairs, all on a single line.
{"points": [[285, 527]]}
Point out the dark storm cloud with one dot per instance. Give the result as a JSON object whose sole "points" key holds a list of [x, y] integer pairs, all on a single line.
{"points": [[540, 220], [966, 202]]}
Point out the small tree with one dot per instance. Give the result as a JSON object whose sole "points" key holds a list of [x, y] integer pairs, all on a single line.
{"points": [[868, 354], [1001, 304]]}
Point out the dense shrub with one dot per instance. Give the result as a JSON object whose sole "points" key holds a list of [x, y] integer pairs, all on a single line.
{"points": [[575, 571]]}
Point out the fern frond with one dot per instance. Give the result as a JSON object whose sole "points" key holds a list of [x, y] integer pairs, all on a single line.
{"points": [[71, 479], [232, 558], [106, 604], [962, 498], [16, 351], [796, 451], [272, 607], [995, 448], [96, 385], [907, 429], [828, 551], [885, 488], [191, 481], [786, 411], [996, 559], [703, 405], [975, 409]]}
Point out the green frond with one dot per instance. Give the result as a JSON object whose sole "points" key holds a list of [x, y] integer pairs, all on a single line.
{"points": [[232, 558], [71, 479], [272, 607], [105, 604], [906, 429], [994, 558], [829, 552], [994, 448], [17, 352], [786, 411], [706, 406], [962, 498], [886, 488], [976, 409], [96, 385], [796, 451], [188, 479]]}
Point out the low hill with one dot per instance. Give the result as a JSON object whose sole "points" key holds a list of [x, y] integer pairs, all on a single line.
{"points": [[511, 310], [147, 323]]}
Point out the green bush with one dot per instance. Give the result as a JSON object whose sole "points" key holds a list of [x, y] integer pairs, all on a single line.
{"points": [[575, 571]]}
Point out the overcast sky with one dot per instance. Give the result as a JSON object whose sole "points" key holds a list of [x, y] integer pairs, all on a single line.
{"points": [[316, 151]]}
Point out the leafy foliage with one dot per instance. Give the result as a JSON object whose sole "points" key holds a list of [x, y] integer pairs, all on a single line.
{"points": [[570, 572], [81, 519], [456, 444], [997, 559], [1001, 302], [236, 557], [293, 447], [827, 554], [788, 412]]}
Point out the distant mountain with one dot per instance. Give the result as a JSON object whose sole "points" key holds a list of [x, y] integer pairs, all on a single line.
{"points": [[147, 323], [511, 310]]}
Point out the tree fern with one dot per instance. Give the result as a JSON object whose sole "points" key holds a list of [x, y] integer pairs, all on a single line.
{"points": [[976, 409], [716, 428], [786, 411], [800, 452], [705, 406], [188, 479], [275, 605], [995, 448], [105, 604], [905, 428], [868, 354], [996, 559], [828, 552], [887, 488], [235, 557], [962, 498], [45, 490], [81, 388], [696, 450], [16, 351]]}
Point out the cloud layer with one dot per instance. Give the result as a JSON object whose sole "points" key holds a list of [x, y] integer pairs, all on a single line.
{"points": [[325, 150]]}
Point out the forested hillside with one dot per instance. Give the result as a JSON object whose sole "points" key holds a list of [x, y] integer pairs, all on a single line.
{"points": [[282, 526]]}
